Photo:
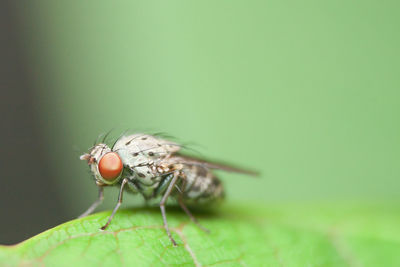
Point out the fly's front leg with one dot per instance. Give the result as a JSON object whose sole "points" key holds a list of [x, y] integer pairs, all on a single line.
{"points": [[162, 205], [121, 191], [95, 204]]}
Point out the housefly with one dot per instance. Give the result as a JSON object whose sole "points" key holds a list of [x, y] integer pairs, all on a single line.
{"points": [[153, 167]]}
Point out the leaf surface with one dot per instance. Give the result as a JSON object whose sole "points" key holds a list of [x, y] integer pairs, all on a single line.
{"points": [[290, 235]]}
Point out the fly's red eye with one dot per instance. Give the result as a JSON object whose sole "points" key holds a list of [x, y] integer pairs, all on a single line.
{"points": [[110, 166]]}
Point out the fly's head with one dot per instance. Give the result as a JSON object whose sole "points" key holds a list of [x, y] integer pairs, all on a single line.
{"points": [[105, 164]]}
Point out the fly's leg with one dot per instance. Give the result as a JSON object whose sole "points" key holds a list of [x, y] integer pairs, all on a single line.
{"points": [[95, 204], [121, 191], [183, 206], [162, 205]]}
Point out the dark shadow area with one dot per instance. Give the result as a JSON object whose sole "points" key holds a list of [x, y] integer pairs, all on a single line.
{"points": [[29, 202]]}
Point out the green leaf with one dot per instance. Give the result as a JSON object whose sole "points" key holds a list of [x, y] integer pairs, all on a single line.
{"points": [[291, 235]]}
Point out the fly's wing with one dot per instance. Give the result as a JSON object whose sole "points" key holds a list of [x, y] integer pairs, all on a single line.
{"points": [[190, 160]]}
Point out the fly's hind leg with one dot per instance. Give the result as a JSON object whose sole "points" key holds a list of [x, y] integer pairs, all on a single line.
{"points": [[164, 200], [183, 206], [121, 191]]}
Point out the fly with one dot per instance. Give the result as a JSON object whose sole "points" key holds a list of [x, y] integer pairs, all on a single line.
{"points": [[153, 167]]}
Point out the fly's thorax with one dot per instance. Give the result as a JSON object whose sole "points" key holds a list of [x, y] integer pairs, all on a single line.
{"points": [[144, 175], [143, 153], [133, 159], [140, 165], [142, 180], [145, 145]]}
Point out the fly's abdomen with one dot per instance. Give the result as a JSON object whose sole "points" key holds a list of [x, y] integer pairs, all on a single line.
{"points": [[200, 185]]}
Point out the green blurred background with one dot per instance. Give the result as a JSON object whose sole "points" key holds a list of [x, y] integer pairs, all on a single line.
{"points": [[307, 92]]}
